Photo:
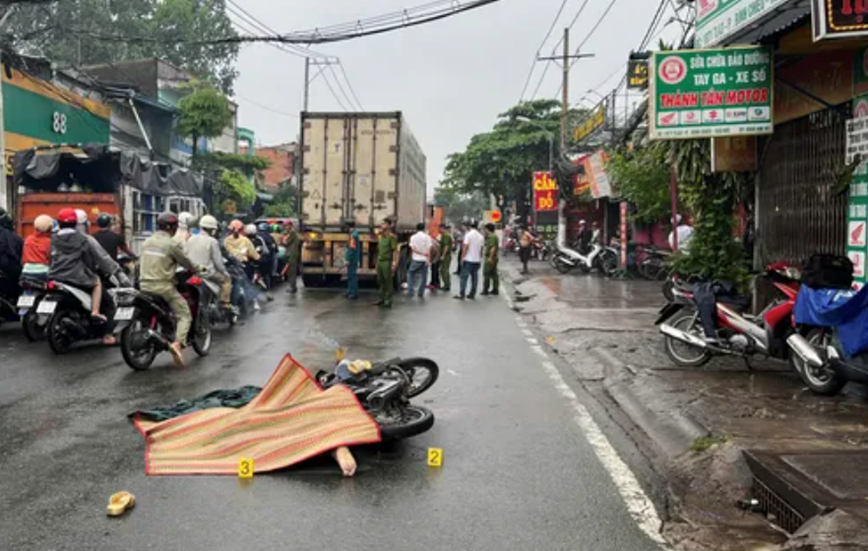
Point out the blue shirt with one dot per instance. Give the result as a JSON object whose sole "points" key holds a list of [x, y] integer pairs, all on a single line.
{"points": [[353, 255]]}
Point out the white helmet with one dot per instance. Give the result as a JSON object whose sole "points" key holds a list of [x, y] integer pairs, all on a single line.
{"points": [[250, 229], [186, 220], [208, 222], [43, 223], [80, 217]]}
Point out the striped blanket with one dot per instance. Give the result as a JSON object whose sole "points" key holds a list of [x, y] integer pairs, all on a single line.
{"points": [[291, 420]]}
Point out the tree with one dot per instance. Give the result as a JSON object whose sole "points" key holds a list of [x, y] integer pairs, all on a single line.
{"points": [[502, 161], [642, 177], [284, 204], [458, 206], [205, 113], [76, 33]]}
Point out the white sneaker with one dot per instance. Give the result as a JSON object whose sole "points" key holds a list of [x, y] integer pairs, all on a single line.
{"points": [[256, 306]]}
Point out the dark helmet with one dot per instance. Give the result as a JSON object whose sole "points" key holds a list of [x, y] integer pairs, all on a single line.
{"points": [[103, 220], [5, 219], [168, 221]]}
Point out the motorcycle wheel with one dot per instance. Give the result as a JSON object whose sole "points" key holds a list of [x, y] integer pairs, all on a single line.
{"points": [[423, 374], [58, 336], [608, 263], [823, 380], [560, 265], [30, 324], [681, 353], [202, 339], [138, 352], [414, 420]]}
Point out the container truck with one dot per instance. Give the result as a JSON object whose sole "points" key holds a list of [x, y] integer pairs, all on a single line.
{"points": [[365, 167]]}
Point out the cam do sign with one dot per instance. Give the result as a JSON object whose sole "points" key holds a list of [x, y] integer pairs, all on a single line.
{"points": [[545, 192], [711, 93]]}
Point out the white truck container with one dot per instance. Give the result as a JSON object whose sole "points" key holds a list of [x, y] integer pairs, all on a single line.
{"points": [[365, 167]]}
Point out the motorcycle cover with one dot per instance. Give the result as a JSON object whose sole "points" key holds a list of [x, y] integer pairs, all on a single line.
{"points": [[843, 309]]}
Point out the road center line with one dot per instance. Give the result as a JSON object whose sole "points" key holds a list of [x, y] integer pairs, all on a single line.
{"points": [[638, 504]]}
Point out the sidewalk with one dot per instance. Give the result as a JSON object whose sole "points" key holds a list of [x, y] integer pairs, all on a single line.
{"points": [[701, 422]]}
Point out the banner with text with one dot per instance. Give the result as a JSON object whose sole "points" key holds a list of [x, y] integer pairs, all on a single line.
{"points": [[545, 192], [717, 20], [711, 93]]}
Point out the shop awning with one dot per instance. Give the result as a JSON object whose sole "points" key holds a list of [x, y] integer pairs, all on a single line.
{"points": [[781, 19]]}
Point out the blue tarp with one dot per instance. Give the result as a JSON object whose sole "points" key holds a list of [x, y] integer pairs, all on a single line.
{"points": [[843, 309]]}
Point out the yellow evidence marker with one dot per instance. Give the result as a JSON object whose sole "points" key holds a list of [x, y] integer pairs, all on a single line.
{"points": [[435, 457], [245, 467]]}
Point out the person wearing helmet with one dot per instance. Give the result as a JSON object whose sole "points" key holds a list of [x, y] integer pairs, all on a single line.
{"points": [[112, 242], [161, 256], [75, 260], [204, 250], [105, 265], [11, 248], [37, 250], [239, 246], [186, 221], [267, 249]]}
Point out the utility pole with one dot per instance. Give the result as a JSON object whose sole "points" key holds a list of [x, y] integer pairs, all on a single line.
{"points": [[306, 83], [565, 101]]}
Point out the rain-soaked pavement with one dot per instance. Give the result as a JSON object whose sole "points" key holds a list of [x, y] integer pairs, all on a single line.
{"points": [[518, 472]]}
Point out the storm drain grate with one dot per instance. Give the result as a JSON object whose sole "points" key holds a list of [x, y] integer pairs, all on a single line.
{"points": [[785, 515]]}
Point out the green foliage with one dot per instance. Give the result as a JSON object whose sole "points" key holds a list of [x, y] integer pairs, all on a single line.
{"points": [[642, 177], [248, 164], [205, 113], [67, 32], [502, 161], [458, 206], [235, 186], [284, 204], [711, 198]]}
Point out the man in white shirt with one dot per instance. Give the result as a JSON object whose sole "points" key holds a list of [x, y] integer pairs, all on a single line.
{"points": [[471, 257], [420, 245], [685, 234]]}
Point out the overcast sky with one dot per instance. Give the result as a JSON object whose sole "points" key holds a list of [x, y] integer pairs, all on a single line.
{"points": [[450, 78]]}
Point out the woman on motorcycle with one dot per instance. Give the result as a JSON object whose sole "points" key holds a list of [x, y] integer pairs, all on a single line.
{"points": [[37, 250]]}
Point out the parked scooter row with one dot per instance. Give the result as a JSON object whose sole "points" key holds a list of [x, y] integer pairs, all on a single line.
{"points": [[697, 325], [603, 259]]}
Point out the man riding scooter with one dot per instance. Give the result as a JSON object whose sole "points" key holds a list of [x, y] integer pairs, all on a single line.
{"points": [[203, 249], [161, 256], [11, 247]]}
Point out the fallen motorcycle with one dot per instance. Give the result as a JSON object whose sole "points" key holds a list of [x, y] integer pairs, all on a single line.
{"points": [[737, 333], [384, 389]]}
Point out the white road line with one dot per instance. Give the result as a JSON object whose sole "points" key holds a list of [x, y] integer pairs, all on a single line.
{"points": [[527, 332], [638, 504], [532, 341], [453, 373], [538, 350]]}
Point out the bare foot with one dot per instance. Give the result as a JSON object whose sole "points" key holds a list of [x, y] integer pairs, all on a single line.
{"points": [[346, 460], [177, 354], [109, 340]]}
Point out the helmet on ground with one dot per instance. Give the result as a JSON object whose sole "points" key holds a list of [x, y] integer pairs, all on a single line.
{"points": [[81, 217], [168, 221], [208, 222], [67, 218], [236, 225], [264, 227], [250, 229], [103, 220], [186, 220], [5, 219], [43, 223]]}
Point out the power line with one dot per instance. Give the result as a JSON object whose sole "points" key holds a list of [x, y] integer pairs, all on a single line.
{"points": [[594, 29], [340, 86], [332, 90], [539, 49], [350, 85], [654, 22], [266, 107]]}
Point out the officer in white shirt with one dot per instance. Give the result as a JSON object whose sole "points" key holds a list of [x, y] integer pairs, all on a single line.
{"points": [[471, 256], [420, 245]]}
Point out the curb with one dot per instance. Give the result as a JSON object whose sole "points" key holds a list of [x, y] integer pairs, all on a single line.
{"points": [[672, 432]]}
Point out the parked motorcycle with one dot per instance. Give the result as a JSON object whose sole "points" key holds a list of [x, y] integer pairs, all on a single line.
{"points": [[385, 389], [147, 323], [651, 262], [33, 323], [68, 312], [565, 259], [737, 334]]}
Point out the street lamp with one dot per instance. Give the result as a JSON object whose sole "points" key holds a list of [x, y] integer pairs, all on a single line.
{"points": [[549, 134]]}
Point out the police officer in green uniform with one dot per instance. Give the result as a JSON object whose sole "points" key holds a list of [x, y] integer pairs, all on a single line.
{"points": [[446, 244], [161, 255], [387, 247], [353, 255], [490, 271], [292, 242]]}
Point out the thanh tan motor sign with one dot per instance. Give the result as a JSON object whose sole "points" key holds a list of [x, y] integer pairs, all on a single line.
{"points": [[711, 93]]}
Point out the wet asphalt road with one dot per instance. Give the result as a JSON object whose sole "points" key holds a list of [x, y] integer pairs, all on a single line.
{"points": [[518, 473]]}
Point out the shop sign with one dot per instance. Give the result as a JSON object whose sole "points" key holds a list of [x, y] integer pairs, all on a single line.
{"points": [[545, 192], [711, 93], [581, 184], [595, 120], [717, 20], [839, 18], [637, 74], [857, 138], [733, 154], [857, 211], [595, 172]]}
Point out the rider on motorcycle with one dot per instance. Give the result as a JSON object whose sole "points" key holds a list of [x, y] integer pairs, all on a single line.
{"points": [[111, 241], [10, 257], [77, 259], [186, 222], [37, 250], [268, 253], [161, 256], [240, 247], [204, 250]]}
